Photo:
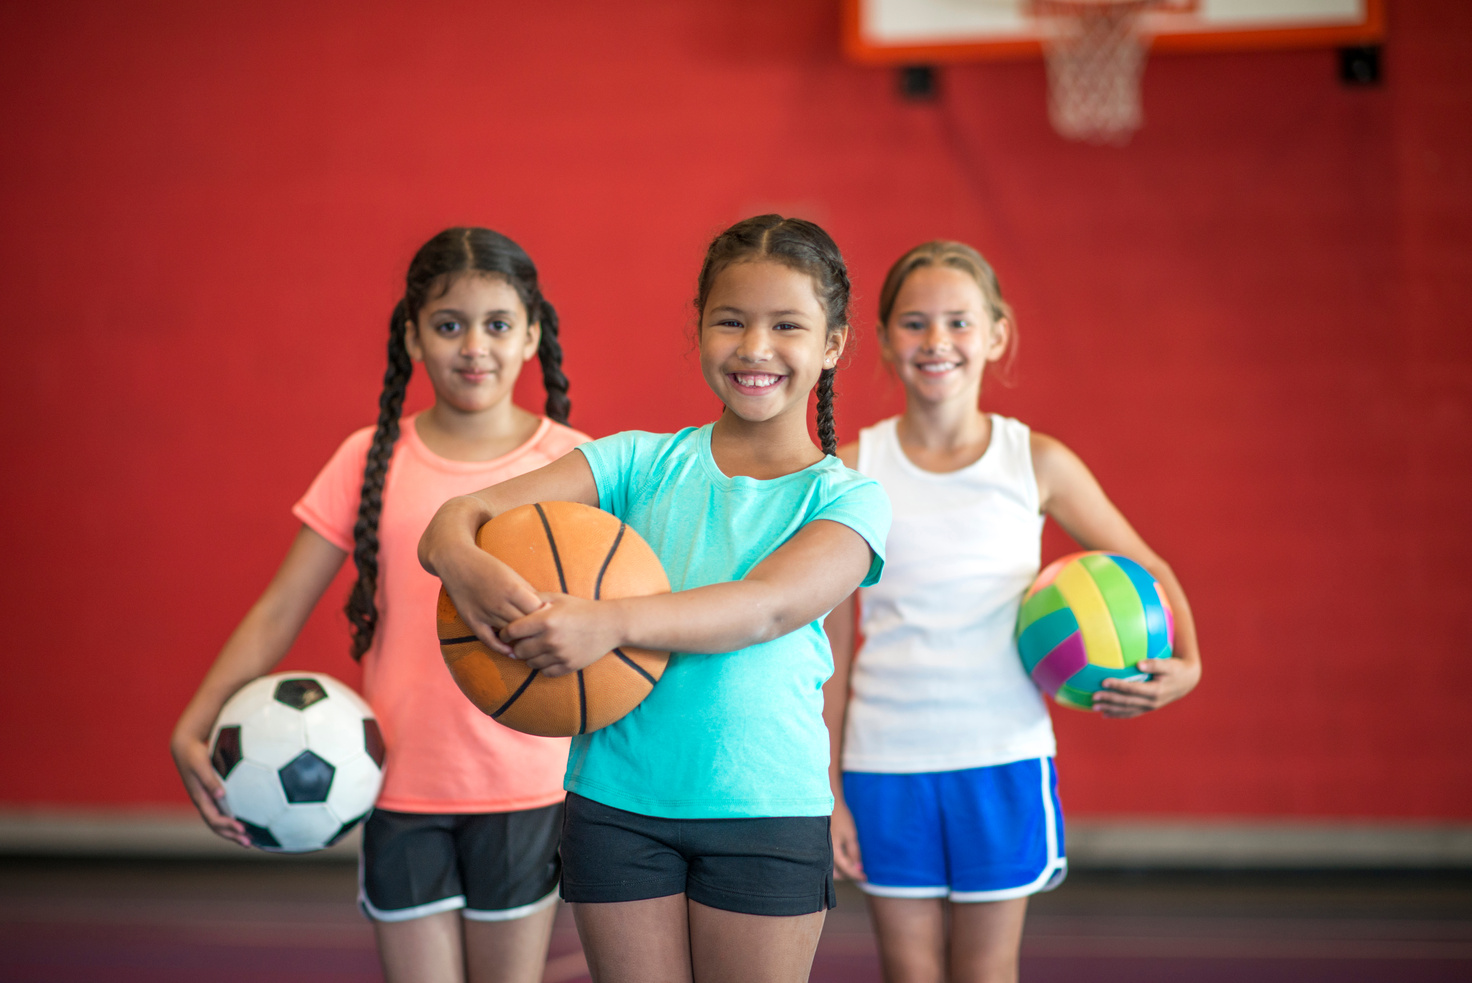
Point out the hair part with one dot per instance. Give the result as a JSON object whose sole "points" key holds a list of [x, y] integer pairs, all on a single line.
{"points": [[799, 245], [453, 253], [956, 256]]}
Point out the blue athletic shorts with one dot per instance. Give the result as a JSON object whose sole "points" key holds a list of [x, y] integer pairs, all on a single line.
{"points": [[982, 834]]}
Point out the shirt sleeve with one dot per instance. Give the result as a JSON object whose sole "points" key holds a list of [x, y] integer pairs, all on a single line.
{"points": [[330, 506], [614, 462], [864, 507]]}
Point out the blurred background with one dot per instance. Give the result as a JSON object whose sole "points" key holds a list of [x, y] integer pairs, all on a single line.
{"points": [[1252, 322]]}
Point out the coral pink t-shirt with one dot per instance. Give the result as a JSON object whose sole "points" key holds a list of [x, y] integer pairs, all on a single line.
{"points": [[444, 755]]}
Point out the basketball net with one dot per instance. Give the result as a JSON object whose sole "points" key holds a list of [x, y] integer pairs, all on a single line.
{"points": [[1095, 50]]}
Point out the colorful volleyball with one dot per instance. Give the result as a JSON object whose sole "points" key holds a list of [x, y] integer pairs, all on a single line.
{"points": [[1089, 617]]}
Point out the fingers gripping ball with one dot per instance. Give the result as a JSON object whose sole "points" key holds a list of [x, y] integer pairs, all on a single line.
{"points": [[1089, 617], [301, 757], [571, 549]]}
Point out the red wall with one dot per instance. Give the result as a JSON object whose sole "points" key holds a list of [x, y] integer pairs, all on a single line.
{"points": [[1252, 322]]}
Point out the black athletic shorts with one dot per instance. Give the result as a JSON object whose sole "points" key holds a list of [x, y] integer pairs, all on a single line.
{"points": [[491, 866], [779, 866]]}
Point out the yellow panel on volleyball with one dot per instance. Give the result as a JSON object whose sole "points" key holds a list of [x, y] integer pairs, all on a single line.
{"points": [[1094, 621]]}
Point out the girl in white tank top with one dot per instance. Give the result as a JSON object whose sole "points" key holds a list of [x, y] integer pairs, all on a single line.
{"points": [[937, 695]]}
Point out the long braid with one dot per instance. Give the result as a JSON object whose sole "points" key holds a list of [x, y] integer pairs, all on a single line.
{"points": [[362, 606], [549, 353], [827, 436]]}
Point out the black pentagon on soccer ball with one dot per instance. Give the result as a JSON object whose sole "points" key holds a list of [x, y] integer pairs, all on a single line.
{"points": [[373, 741], [347, 828], [259, 835], [299, 693], [306, 778], [227, 751]]}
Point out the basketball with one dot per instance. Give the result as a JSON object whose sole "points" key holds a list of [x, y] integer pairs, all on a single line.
{"points": [[1090, 617], [571, 549]]}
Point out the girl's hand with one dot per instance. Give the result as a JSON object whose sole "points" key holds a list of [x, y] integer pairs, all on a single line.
{"points": [[1170, 679], [487, 593], [192, 758], [846, 862], [566, 634]]}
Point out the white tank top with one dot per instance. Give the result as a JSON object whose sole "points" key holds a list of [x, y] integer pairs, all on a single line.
{"points": [[938, 684]]}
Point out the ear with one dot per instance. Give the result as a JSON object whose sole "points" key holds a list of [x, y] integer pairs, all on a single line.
{"points": [[411, 342], [886, 354], [1001, 335], [533, 340], [833, 350]]}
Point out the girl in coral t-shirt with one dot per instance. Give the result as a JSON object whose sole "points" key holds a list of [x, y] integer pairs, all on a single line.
{"points": [[459, 865]]}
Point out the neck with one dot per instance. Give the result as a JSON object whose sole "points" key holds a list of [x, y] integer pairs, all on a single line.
{"points": [[766, 449], [479, 435], [952, 425]]}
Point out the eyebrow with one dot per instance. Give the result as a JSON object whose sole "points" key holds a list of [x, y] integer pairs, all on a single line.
{"points": [[737, 310], [461, 314], [924, 313]]}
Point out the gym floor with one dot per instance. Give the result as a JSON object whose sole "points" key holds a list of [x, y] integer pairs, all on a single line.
{"points": [[67, 921]]}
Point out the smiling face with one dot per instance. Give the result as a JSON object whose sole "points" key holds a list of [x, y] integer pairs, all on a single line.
{"points": [[473, 340], [764, 340], [940, 337]]}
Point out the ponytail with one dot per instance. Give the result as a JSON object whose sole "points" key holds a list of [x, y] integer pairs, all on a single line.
{"points": [[362, 606], [549, 354]]}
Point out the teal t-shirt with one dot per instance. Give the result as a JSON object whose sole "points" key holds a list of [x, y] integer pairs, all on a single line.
{"points": [[736, 734]]}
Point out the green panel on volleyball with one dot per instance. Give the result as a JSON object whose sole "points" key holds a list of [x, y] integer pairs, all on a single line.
{"points": [[1043, 636], [1070, 697], [1125, 609], [1044, 602]]}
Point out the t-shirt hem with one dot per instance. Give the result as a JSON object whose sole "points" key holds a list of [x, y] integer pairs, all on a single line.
{"points": [[464, 806], [766, 808], [913, 766], [321, 526]]}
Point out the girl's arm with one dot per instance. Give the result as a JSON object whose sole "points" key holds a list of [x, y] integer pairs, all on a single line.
{"points": [[801, 581], [840, 626], [487, 593], [1070, 494], [258, 643]]}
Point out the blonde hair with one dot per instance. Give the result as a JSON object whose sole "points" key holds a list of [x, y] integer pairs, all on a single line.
{"points": [[957, 256]]}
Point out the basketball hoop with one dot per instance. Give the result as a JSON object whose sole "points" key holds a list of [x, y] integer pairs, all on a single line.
{"points": [[1095, 50]]}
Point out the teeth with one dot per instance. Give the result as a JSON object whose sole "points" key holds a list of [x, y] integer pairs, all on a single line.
{"points": [[757, 381], [936, 368]]}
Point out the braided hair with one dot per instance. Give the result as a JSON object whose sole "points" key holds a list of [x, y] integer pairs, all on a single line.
{"points": [[802, 246], [452, 253]]}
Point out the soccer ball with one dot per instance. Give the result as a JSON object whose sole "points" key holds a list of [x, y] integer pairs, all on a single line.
{"points": [[302, 760]]}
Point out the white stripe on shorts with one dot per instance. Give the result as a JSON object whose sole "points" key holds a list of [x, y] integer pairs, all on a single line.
{"points": [[1052, 873], [510, 914]]}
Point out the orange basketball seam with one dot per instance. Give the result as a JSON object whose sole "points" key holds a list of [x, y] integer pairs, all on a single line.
{"points": [[635, 666]]}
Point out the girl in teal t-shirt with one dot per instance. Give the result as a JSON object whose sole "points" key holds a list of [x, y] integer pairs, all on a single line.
{"points": [[697, 830]]}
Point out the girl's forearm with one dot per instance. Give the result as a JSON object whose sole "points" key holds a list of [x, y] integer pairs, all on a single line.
{"points": [[453, 527], [1184, 644], [716, 618]]}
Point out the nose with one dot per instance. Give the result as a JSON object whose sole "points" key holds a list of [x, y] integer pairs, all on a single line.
{"points": [[755, 346], [477, 341], [935, 338]]}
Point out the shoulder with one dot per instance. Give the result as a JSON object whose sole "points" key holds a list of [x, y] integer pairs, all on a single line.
{"points": [[352, 453], [1058, 469], [558, 438]]}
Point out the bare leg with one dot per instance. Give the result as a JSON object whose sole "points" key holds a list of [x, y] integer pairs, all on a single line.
{"points": [[636, 941], [422, 950], [512, 951], [727, 946], [912, 938], [985, 939]]}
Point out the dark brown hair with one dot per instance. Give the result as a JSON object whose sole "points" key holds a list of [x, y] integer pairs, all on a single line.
{"points": [[958, 256], [802, 246], [452, 253]]}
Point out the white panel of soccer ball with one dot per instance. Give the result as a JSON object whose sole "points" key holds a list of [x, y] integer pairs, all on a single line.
{"points": [[301, 757]]}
